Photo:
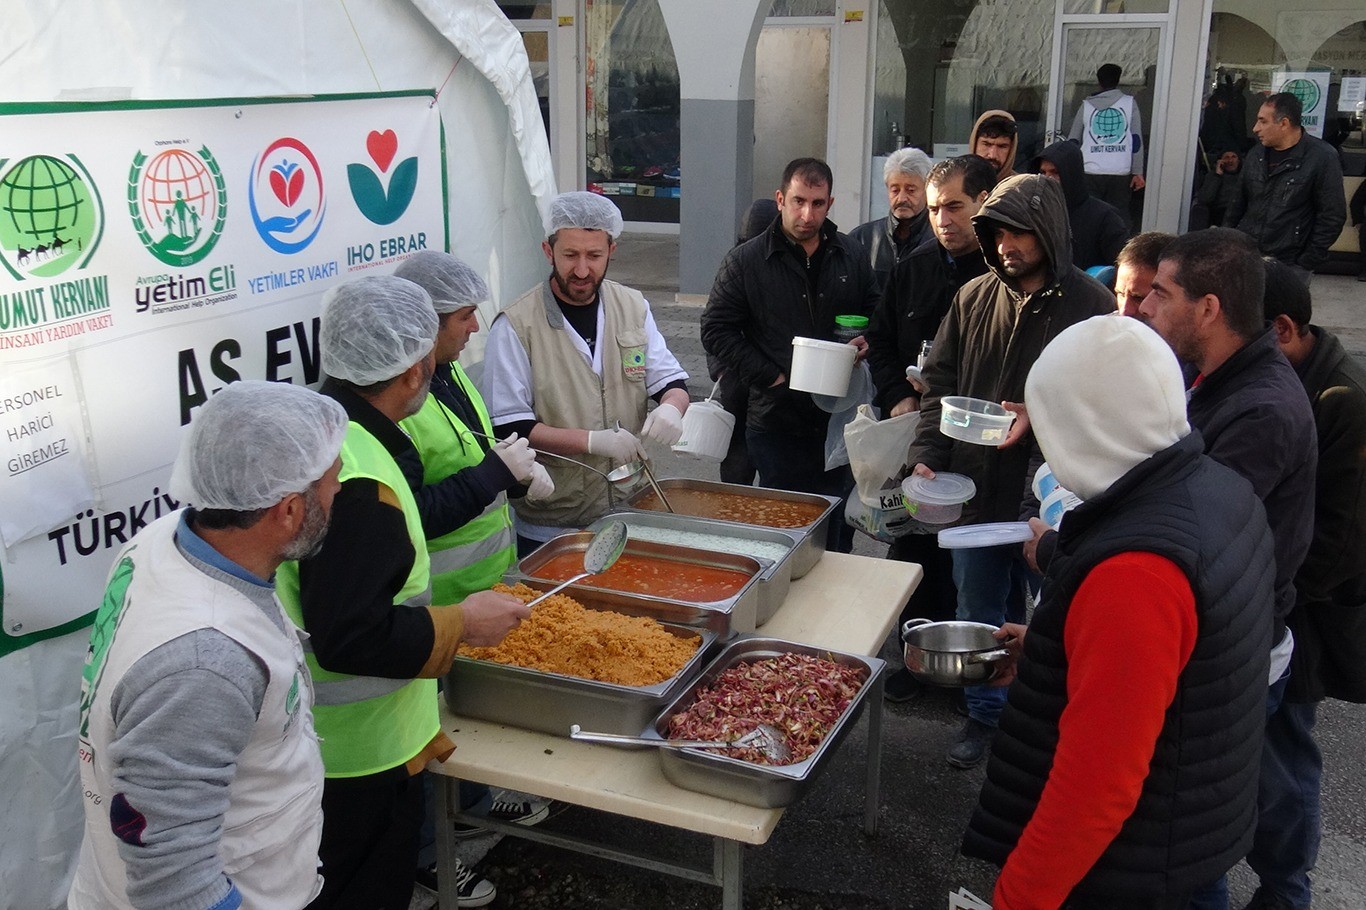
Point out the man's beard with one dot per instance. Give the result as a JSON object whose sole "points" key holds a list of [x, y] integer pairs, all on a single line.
{"points": [[562, 282], [310, 538]]}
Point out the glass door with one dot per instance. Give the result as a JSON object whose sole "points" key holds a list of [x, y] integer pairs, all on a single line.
{"points": [[1116, 124]]}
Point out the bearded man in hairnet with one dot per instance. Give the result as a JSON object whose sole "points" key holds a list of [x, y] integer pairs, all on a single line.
{"points": [[573, 363], [199, 763], [377, 642]]}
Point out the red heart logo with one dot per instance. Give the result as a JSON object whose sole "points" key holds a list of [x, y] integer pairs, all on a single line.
{"points": [[382, 148], [277, 185], [287, 190]]}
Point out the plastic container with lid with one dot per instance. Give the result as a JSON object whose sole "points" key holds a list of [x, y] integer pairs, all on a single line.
{"points": [[937, 501], [847, 328], [973, 420], [821, 366], [707, 429]]}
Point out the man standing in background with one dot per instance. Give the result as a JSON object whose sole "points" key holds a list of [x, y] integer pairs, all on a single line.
{"points": [[1109, 128], [890, 240]]}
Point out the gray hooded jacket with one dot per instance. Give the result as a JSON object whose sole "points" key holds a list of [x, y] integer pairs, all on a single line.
{"points": [[991, 337]]}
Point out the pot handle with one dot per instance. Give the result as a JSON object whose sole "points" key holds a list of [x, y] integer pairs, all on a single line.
{"points": [[987, 656], [911, 625]]}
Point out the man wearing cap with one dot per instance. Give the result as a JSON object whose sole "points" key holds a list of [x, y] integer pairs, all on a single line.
{"points": [[573, 363], [1124, 774], [378, 642], [198, 759], [991, 336]]}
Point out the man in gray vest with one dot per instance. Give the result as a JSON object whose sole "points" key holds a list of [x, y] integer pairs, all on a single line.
{"points": [[572, 365], [1109, 128], [201, 770]]}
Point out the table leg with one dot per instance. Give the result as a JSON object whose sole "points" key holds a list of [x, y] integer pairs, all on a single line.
{"points": [[447, 792], [872, 795], [728, 862]]}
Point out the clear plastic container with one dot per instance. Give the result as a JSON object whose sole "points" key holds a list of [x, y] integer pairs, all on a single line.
{"points": [[937, 501], [973, 420]]}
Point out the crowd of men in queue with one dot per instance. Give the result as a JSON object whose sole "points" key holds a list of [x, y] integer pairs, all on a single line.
{"points": [[378, 513]]}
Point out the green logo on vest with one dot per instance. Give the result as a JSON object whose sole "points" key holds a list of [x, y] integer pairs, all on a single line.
{"points": [[102, 634], [1108, 126], [633, 363]]}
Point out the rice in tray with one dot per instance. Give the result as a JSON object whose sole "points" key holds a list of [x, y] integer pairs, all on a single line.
{"points": [[561, 636]]}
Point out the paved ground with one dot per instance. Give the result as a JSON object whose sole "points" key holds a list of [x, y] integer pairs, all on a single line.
{"points": [[819, 858]]}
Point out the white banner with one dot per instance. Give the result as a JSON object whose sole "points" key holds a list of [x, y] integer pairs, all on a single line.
{"points": [[1312, 90], [150, 254]]}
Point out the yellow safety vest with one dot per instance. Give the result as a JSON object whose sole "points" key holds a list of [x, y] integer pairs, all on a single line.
{"points": [[475, 555], [370, 724]]}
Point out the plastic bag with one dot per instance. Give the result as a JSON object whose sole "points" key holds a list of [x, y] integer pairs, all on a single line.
{"points": [[843, 410], [877, 451]]}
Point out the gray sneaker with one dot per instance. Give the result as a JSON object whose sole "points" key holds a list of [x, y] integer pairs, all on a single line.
{"points": [[970, 750]]}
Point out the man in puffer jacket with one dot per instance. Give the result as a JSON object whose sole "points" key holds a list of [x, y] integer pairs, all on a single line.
{"points": [[985, 346], [1099, 231]]}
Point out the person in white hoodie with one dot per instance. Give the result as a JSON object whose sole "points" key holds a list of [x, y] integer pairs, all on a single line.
{"points": [[200, 767]]}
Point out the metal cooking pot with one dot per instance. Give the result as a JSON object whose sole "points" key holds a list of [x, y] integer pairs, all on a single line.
{"points": [[952, 653]]}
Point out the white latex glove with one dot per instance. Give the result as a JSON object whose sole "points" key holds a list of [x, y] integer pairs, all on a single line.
{"points": [[619, 445], [664, 425], [541, 486], [518, 456]]}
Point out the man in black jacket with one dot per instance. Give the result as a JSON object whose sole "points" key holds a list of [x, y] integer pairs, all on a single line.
{"points": [[918, 294], [792, 280], [1329, 618], [1251, 409], [1098, 228], [891, 239], [1291, 203], [985, 346]]}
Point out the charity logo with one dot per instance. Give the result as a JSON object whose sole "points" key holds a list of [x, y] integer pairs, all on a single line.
{"points": [[1108, 126], [633, 363], [179, 202], [1306, 90], [51, 216], [375, 202], [285, 194]]}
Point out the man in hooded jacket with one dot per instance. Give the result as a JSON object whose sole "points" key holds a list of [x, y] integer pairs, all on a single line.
{"points": [[995, 137], [985, 346], [1099, 231]]}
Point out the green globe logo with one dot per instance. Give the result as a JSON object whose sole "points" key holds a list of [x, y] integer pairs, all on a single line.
{"points": [[50, 216], [179, 202], [1306, 90], [1108, 126]]}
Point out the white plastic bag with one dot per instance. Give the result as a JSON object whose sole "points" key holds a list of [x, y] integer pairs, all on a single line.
{"points": [[877, 451]]}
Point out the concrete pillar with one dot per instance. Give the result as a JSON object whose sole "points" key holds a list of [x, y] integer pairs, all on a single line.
{"points": [[1169, 208], [713, 43]]}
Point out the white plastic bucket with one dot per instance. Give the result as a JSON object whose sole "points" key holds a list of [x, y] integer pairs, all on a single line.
{"points": [[823, 367], [707, 429]]}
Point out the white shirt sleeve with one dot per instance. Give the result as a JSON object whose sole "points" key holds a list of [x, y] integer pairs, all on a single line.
{"points": [[506, 381], [661, 366]]}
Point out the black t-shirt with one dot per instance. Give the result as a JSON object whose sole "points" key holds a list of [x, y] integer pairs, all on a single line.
{"points": [[1275, 157], [583, 319]]}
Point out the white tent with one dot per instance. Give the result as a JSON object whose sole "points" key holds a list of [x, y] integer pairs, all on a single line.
{"points": [[499, 177]]}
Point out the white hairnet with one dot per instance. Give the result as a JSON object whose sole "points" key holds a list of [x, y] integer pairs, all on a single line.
{"points": [[583, 210], [375, 328], [907, 161], [254, 443], [452, 284]]}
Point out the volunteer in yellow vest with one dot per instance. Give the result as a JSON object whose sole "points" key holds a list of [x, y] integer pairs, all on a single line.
{"points": [[377, 642], [466, 479], [573, 363], [201, 772]]}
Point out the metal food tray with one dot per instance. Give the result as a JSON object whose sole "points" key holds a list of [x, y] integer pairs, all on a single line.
{"points": [[812, 544], [551, 702], [776, 578], [765, 786], [740, 609]]}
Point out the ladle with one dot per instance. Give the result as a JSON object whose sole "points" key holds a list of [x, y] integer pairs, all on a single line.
{"points": [[766, 738], [618, 475], [650, 476], [603, 551]]}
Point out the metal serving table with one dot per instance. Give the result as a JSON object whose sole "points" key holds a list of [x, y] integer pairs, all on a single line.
{"points": [[846, 602]]}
